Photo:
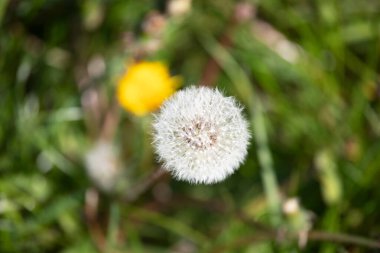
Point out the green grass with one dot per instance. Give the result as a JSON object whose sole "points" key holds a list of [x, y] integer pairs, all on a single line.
{"points": [[306, 72]]}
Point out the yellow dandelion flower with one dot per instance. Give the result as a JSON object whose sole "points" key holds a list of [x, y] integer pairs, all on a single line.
{"points": [[144, 87]]}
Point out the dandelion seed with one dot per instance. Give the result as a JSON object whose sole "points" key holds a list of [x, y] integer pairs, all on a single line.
{"points": [[200, 135]]}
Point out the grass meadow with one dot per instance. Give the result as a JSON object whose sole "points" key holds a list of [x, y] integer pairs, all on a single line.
{"points": [[78, 171]]}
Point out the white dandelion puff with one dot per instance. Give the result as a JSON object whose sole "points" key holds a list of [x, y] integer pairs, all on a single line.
{"points": [[102, 165], [200, 135]]}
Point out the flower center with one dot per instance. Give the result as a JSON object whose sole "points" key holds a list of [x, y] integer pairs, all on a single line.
{"points": [[199, 134]]}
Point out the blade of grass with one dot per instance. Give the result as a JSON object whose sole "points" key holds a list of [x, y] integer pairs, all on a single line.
{"points": [[170, 224], [243, 86], [113, 226], [3, 6]]}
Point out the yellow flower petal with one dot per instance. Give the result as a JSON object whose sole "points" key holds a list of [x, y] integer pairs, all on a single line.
{"points": [[144, 87]]}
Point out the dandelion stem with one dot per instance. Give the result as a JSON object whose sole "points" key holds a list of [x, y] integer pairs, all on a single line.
{"points": [[144, 185], [90, 213]]}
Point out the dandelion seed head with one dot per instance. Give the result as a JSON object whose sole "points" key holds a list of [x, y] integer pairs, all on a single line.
{"points": [[200, 135]]}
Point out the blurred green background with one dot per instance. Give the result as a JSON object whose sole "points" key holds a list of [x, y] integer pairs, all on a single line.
{"points": [[307, 72]]}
